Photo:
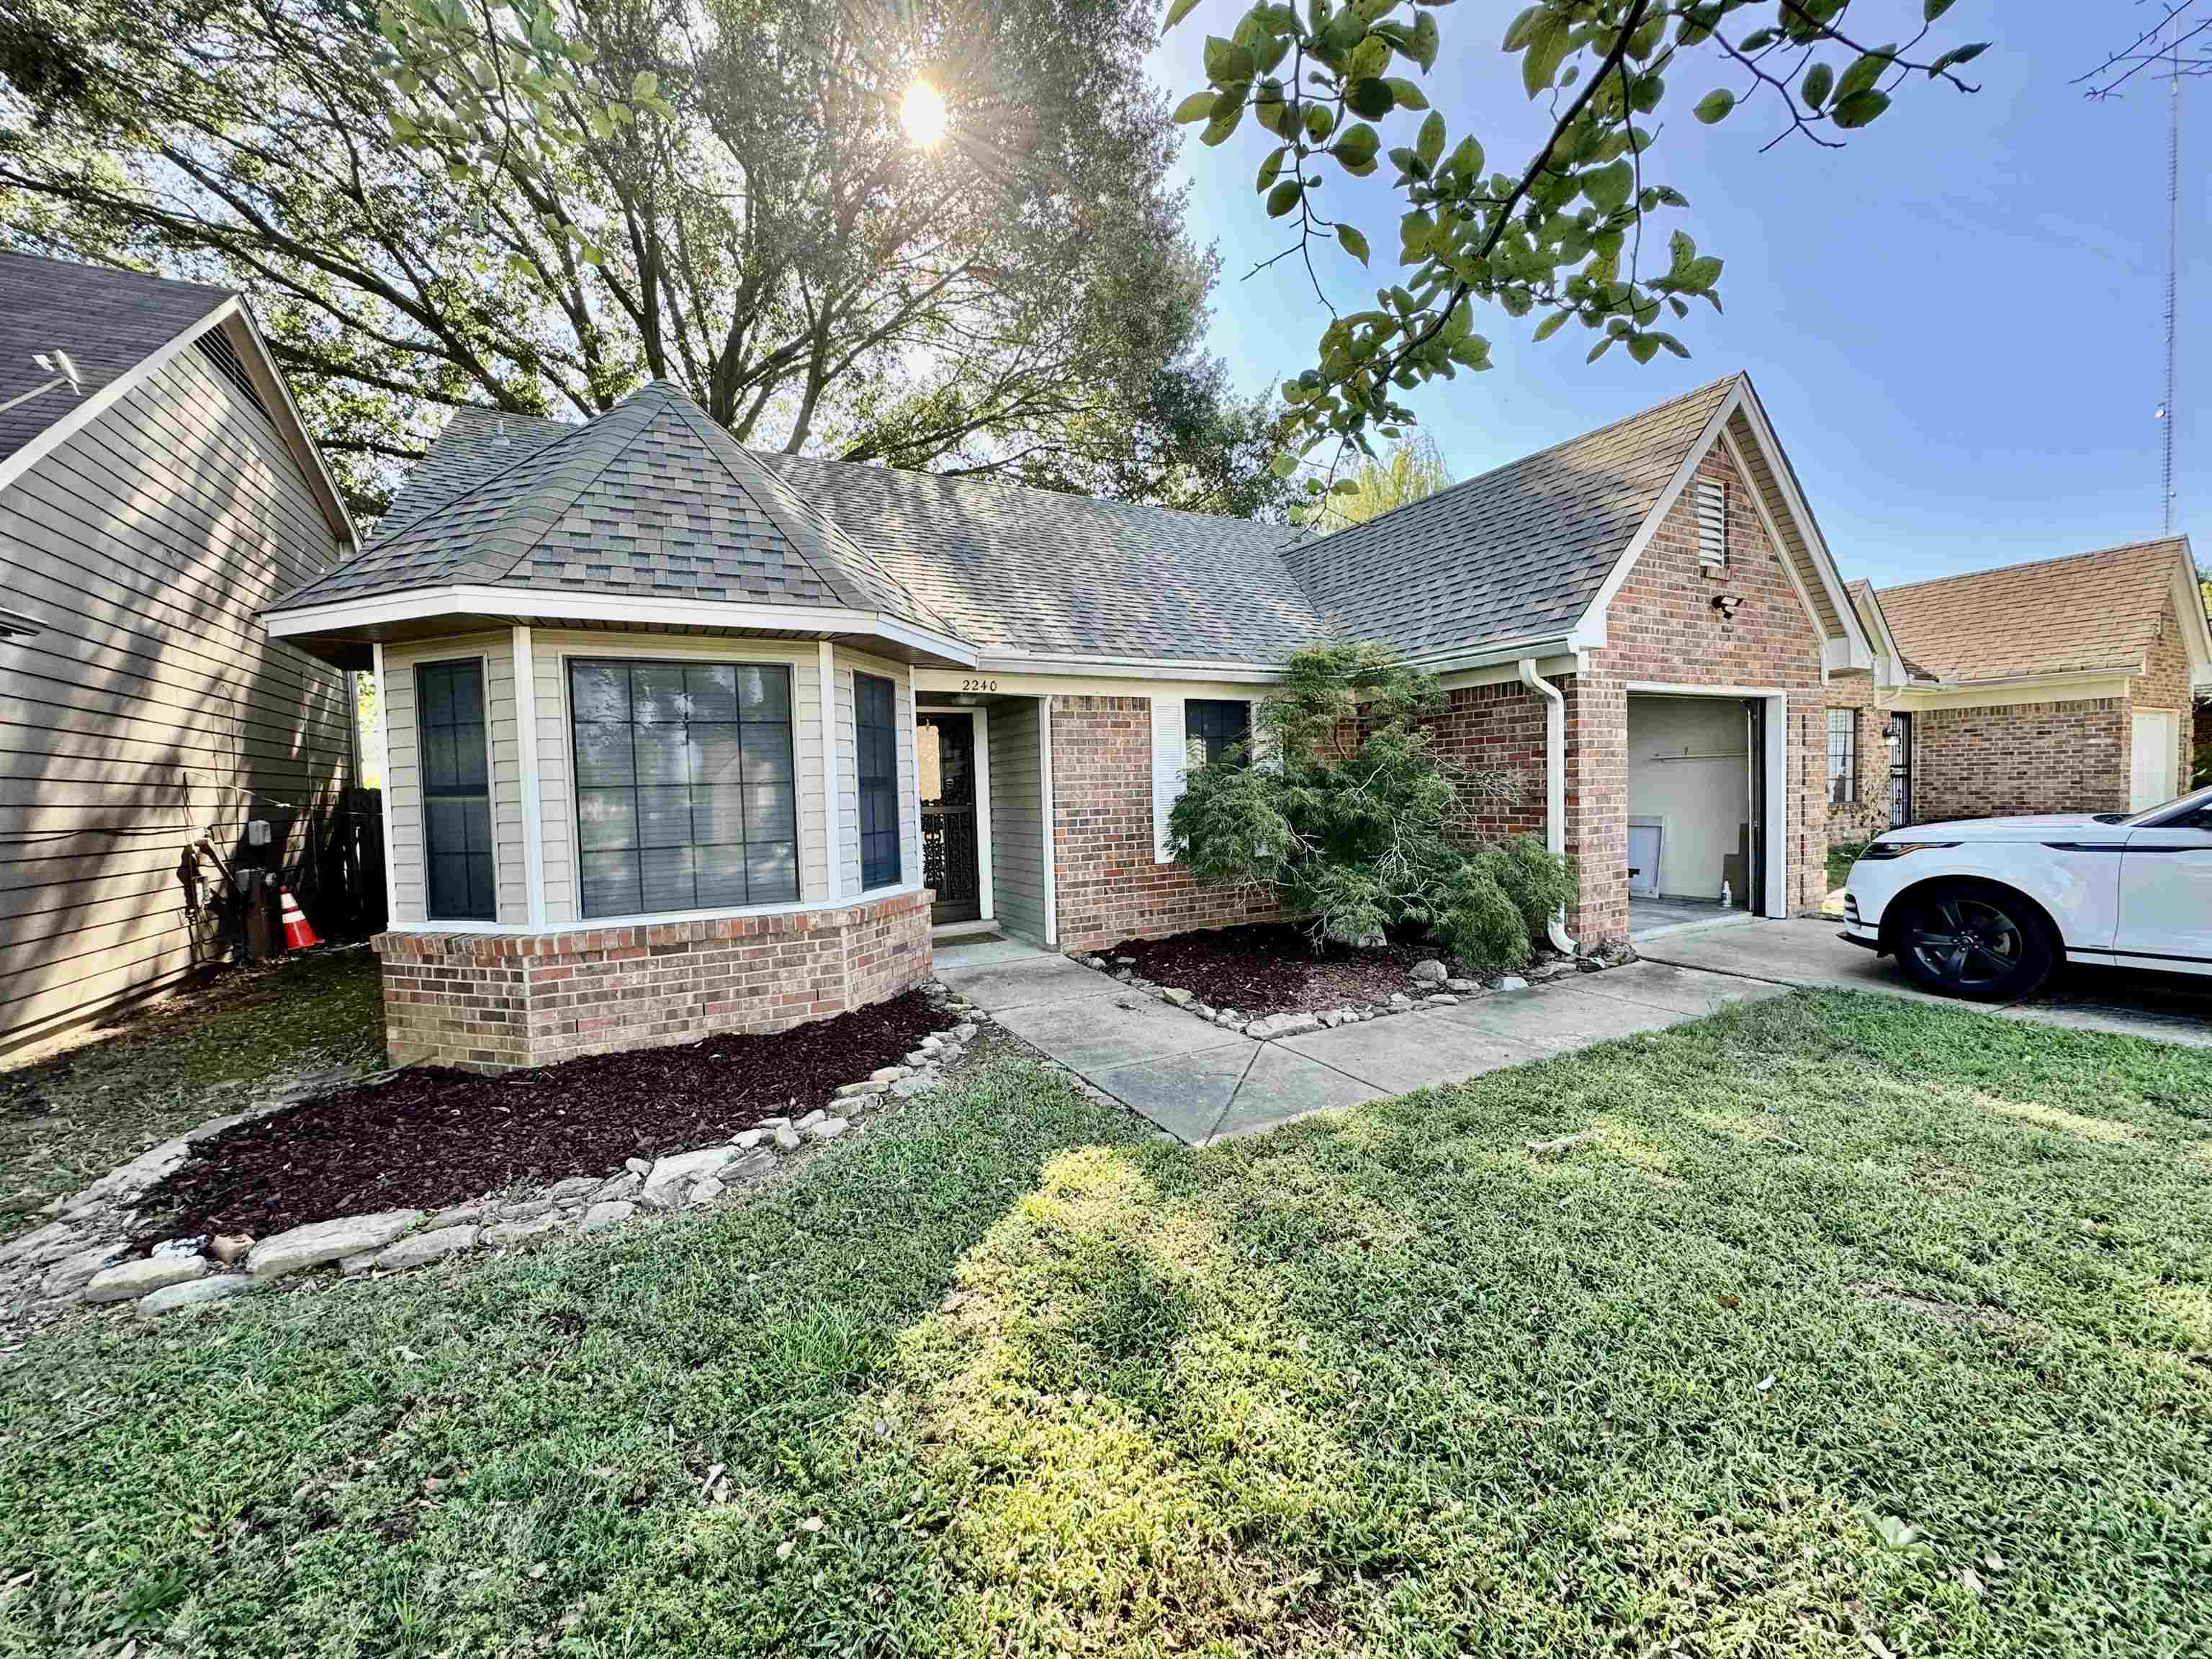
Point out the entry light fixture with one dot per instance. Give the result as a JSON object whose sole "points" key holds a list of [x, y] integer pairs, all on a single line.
{"points": [[1728, 605]]}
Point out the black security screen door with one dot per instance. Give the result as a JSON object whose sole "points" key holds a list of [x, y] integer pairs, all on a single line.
{"points": [[945, 756], [875, 732], [1900, 771], [455, 791], [685, 798]]}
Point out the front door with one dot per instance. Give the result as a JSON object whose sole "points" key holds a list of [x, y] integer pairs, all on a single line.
{"points": [[1900, 771], [945, 754]]}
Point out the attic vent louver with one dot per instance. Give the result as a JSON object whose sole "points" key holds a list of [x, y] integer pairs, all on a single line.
{"points": [[1712, 522], [215, 345]]}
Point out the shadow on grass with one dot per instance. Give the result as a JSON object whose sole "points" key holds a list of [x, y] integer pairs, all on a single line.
{"points": [[1010, 1377]]}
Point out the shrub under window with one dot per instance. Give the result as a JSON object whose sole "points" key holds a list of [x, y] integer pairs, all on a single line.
{"points": [[685, 793]]}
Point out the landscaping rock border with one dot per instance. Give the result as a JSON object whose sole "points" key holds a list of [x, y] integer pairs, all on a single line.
{"points": [[81, 1257], [1431, 983]]}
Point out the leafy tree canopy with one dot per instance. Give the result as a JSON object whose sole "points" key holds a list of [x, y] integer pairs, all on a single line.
{"points": [[536, 204], [1409, 470]]}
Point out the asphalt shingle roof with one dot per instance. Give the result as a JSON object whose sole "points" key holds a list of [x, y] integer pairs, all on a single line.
{"points": [[650, 499], [1519, 550], [2089, 610], [109, 321]]}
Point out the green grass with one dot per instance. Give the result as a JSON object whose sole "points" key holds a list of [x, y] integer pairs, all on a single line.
{"points": [[1009, 1375], [68, 1120], [1842, 854]]}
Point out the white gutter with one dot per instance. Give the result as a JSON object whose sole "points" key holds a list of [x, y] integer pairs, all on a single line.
{"points": [[1555, 783]]}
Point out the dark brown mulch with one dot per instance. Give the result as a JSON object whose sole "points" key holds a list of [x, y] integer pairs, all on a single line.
{"points": [[433, 1136], [1272, 968]]}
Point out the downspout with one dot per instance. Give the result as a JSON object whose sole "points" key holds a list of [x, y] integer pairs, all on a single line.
{"points": [[1555, 783]]}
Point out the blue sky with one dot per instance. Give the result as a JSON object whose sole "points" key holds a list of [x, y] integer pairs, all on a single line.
{"points": [[1957, 323]]}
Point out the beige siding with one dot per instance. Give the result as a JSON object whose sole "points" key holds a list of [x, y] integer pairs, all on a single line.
{"points": [[550, 650], [848, 784], [405, 781], [152, 705], [1017, 818]]}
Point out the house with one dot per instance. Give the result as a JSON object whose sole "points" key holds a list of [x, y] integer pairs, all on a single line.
{"points": [[681, 737], [2065, 685], [157, 488]]}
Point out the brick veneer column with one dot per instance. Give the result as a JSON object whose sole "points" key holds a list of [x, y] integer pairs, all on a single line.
{"points": [[489, 1002]]}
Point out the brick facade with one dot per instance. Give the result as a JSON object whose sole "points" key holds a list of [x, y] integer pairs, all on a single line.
{"points": [[1662, 628], [489, 1002], [1869, 814], [2021, 758], [2164, 684], [1109, 886], [1495, 729]]}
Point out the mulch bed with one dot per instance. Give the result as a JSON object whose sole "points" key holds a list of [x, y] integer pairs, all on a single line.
{"points": [[432, 1136], [1272, 968]]}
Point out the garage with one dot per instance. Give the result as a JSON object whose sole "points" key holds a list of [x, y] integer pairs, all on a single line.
{"points": [[1696, 777]]}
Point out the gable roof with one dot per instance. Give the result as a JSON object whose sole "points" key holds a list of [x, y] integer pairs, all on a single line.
{"points": [[650, 500], [1870, 612], [2083, 613], [117, 327], [1521, 552]]}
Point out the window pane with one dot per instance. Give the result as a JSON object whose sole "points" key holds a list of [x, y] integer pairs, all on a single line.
{"points": [[771, 812], [661, 754], [469, 758], [771, 872], [600, 691], [665, 872], [664, 817], [458, 868], [714, 691], [603, 753], [718, 817], [767, 753], [720, 873], [435, 694], [764, 694], [606, 818], [715, 754], [610, 884], [656, 692], [438, 758]]}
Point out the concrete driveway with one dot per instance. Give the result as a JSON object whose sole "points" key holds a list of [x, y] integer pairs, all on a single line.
{"points": [[1201, 1083], [2167, 1007]]}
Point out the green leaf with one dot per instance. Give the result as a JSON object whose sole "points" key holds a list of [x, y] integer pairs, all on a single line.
{"points": [[1226, 61], [1859, 108], [1642, 348], [1599, 350], [1551, 325], [1862, 75], [1352, 242], [1199, 106], [1271, 109], [1283, 465], [1935, 9], [1176, 13], [1820, 81], [1345, 487], [643, 86], [1466, 158], [1371, 98], [1607, 188], [1549, 42], [1425, 41], [1517, 31], [1272, 168], [1714, 106], [1368, 59], [1429, 146], [1285, 197], [1219, 128], [1320, 121], [1409, 96], [1358, 144], [1957, 56]]}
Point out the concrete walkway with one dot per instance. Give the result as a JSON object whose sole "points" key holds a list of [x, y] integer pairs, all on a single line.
{"points": [[2169, 1008], [1201, 1083]]}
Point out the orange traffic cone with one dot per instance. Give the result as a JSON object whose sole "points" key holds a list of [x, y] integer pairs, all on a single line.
{"points": [[298, 936]]}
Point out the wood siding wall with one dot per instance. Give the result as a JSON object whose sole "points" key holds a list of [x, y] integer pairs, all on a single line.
{"points": [[152, 704], [1018, 818]]}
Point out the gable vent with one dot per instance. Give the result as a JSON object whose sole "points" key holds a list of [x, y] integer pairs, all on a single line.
{"points": [[215, 345], [1712, 521]]}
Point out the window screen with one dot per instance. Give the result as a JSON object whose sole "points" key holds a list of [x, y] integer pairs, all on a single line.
{"points": [[685, 798], [1212, 726], [449, 722], [875, 733], [1842, 757]]}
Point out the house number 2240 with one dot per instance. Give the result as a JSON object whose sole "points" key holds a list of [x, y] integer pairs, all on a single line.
{"points": [[979, 685]]}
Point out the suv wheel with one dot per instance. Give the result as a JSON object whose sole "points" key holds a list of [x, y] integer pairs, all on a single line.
{"points": [[1962, 940]]}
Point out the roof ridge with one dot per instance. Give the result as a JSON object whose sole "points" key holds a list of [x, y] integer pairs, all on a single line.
{"points": [[2147, 542], [1663, 404], [390, 527]]}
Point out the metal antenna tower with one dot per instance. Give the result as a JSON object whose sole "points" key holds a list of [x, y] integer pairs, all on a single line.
{"points": [[2170, 412]]}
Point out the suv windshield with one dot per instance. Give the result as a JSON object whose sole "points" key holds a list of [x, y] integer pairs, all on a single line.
{"points": [[2181, 806]]}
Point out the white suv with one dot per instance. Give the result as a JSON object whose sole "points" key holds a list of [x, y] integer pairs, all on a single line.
{"points": [[1983, 908]]}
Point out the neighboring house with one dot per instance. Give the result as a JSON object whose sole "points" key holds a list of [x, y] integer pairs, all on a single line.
{"points": [[2061, 686], [681, 738], [149, 507]]}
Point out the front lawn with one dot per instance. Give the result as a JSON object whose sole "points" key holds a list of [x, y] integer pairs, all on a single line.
{"points": [[1869, 1327]]}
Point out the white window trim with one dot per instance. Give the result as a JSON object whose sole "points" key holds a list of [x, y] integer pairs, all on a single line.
{"points": [[384, 790], [533, 806]]}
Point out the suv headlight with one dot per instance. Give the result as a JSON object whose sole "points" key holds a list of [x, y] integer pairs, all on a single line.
{"points": [[1896, 849]]}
